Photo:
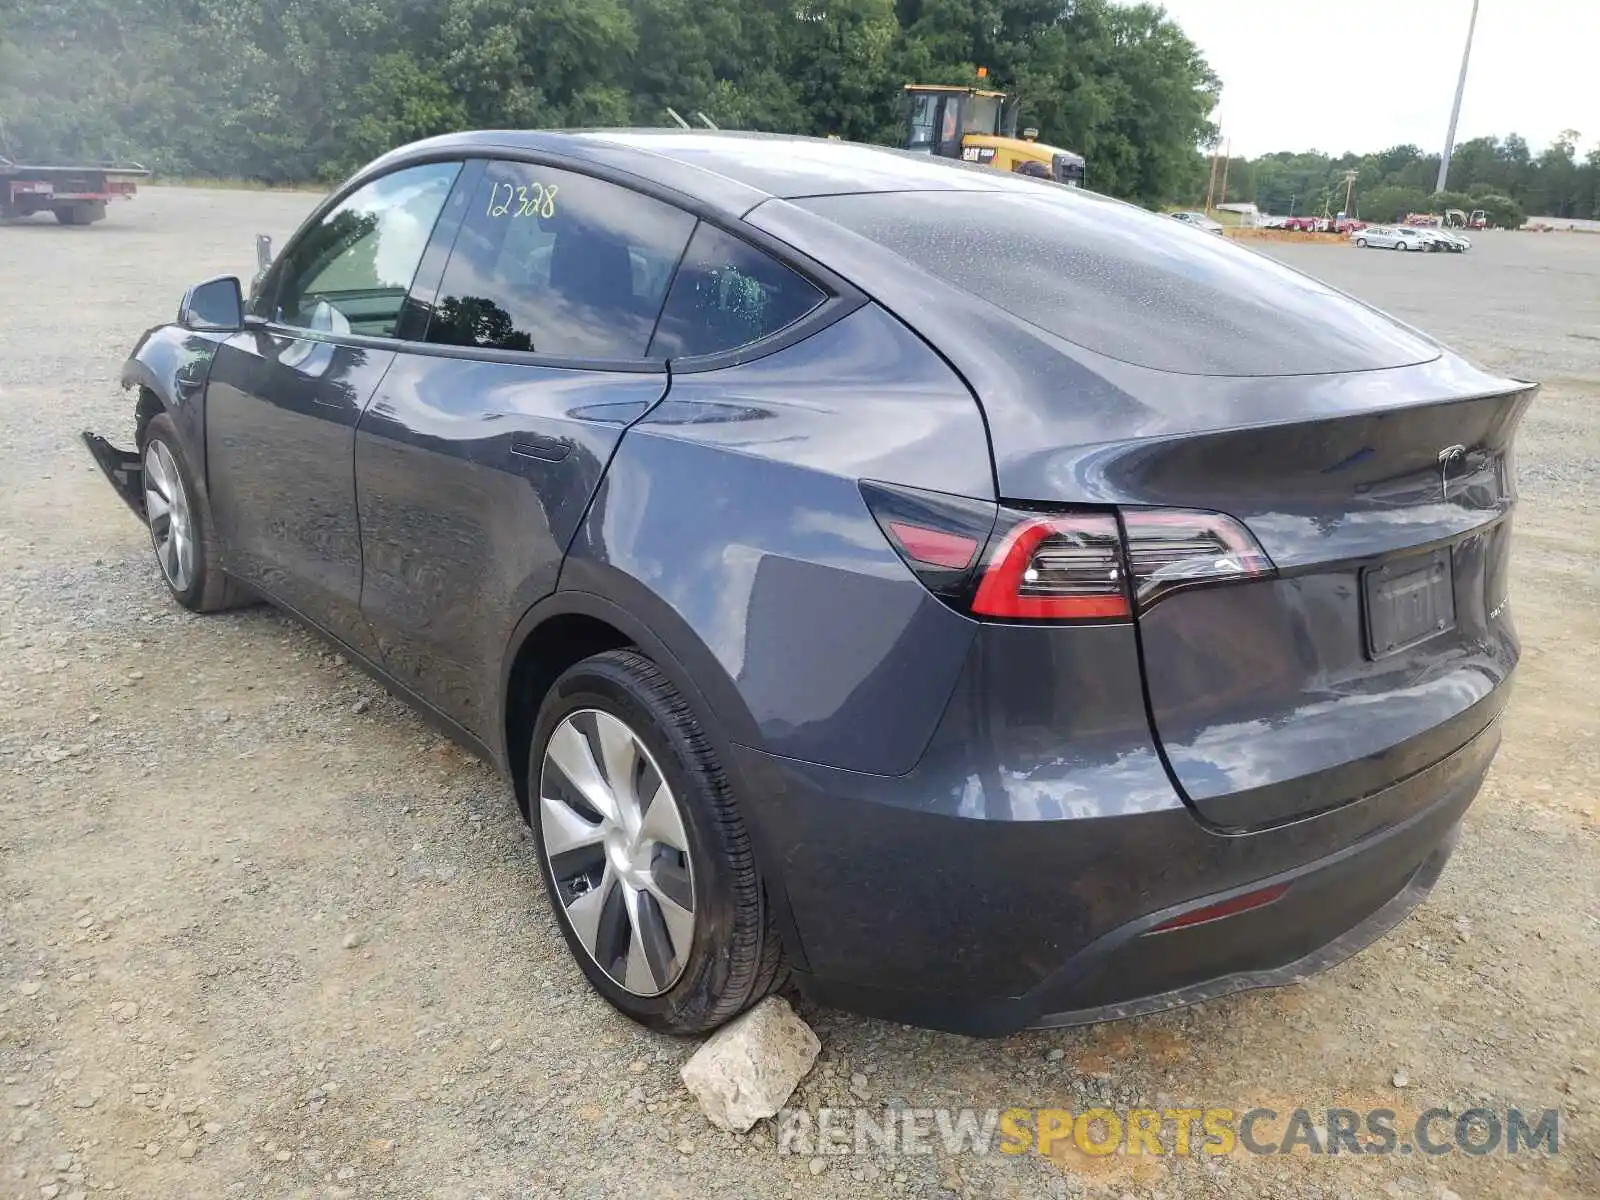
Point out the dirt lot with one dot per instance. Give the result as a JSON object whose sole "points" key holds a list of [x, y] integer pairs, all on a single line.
{"points": [[262, 934]]}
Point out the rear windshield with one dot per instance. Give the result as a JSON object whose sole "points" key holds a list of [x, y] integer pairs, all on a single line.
{"points": [[1129, 284]]}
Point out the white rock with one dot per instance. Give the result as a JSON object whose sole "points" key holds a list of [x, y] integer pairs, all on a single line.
{"points": [[751, 1066]]}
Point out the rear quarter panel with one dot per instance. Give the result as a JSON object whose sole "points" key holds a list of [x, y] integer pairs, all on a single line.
{"points": [[734, 509]]}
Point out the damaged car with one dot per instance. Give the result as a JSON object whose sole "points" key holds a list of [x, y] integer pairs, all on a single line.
{"points": [[980, 602]]}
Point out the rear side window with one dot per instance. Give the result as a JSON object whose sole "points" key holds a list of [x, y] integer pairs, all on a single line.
{"points": [[557, 263], [728, 294]]}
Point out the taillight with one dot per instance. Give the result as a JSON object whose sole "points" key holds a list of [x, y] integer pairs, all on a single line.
{"points": [[1084, 565], [940, 537], [1064, 567], [1174, 548]]}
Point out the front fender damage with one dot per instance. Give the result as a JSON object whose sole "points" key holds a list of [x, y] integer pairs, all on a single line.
{"points": [[122, 468]]}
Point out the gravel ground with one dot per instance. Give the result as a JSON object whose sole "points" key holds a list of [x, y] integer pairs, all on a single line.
{"points": [[262, 934]]}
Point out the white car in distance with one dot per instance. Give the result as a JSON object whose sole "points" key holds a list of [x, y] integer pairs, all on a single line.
{"points": [[1199, 220], [1390, 237]]}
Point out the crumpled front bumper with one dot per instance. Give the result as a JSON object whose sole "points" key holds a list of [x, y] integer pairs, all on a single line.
{"points": [[122, 468]]}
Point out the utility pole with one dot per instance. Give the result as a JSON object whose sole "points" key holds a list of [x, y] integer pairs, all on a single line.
{"points": [[1227, 156], [1211, 184], [1349, 184], [1455, 109]]}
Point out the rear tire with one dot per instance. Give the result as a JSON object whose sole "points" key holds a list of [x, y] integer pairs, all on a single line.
{"points": [[80, 214], [180, 525], [664, 909], [1362, 242], [1400, 246]]}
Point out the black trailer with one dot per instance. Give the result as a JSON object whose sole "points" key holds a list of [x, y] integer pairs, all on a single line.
{"points": [[77, 195]]}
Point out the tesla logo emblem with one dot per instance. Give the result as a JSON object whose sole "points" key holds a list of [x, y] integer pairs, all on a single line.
{"points": [[1448, 458]]}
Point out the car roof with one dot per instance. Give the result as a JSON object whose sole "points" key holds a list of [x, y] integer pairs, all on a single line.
{"points": [[728, 170]]}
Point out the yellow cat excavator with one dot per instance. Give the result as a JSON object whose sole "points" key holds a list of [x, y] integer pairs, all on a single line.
{"points": [[969, 123]]}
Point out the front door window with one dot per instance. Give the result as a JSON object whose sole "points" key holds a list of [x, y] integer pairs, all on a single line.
{"points": [[350, 273]]}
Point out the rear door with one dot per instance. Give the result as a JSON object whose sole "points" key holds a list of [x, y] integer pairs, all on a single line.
{"points": [[485, 441], [284, 396]]}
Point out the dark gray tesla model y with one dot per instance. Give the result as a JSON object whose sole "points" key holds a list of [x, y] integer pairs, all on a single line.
{"points": [[985, 603]]}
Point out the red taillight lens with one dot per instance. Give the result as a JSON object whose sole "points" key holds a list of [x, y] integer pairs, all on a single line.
{"points": [[934, 547], [1056, 568], [939, 536], [1174, 548]]}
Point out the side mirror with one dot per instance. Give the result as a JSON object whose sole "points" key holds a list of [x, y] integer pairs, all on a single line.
{"points": [[217, 304]]}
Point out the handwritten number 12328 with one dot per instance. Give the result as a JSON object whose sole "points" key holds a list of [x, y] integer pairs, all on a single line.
{"points": [[533, 200]]}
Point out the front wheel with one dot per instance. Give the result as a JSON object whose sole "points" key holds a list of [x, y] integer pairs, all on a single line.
{"points": [[180, 525], [646, 860], [1362, 242]]}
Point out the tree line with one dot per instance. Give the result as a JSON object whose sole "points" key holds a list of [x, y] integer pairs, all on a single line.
{"points": [[1502, 176], [295, 90]]}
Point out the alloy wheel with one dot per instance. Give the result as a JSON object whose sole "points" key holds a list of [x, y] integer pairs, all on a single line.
{"points": [[171, 517], [613, 838]]}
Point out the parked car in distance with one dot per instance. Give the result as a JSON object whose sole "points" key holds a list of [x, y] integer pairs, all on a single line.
{"points": [[1198, 220], [1391, 237], [737, 497]]}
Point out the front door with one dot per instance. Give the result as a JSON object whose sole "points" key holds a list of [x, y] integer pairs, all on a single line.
{"points": [[481, 449], [285, 394]]}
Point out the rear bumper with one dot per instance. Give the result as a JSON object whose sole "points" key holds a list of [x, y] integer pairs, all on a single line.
{"points": [[1358, 937], [985, 926]]}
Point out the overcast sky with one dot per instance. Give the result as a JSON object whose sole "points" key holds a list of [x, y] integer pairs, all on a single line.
{"points": [[1368, 74]]}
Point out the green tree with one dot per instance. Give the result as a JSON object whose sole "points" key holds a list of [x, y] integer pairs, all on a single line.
{"points": [[286, 90], [1392, 203], [1502, 211]]}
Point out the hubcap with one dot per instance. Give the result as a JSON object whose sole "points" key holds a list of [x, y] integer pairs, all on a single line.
{"points": [[166, 505], [614, 841]]}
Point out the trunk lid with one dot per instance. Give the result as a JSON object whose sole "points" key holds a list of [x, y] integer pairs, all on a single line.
{"points": [[1384, 641]]}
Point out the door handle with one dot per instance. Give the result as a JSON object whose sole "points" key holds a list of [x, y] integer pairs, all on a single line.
{"points": [[544, 449]]}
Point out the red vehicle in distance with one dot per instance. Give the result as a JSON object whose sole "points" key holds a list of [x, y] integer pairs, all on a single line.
{"points": [[1307, 224], [76, 195]]}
